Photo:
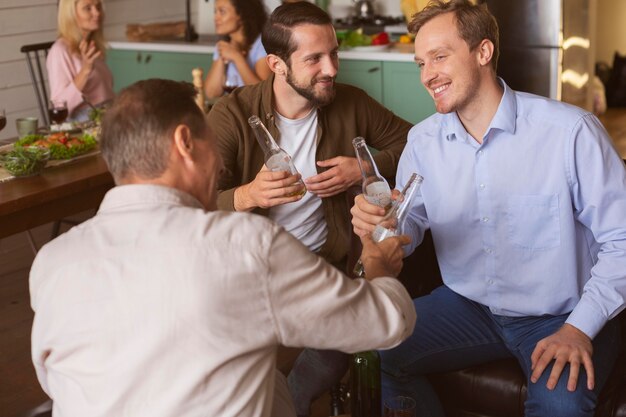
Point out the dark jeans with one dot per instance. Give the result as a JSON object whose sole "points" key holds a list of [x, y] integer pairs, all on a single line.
{"points": [[315, 372], [453, 332]]}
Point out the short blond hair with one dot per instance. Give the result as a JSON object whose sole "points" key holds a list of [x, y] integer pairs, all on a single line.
{"points": [[68, 29]]}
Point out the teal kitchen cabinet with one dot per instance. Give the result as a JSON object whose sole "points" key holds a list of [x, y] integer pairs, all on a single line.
{"points": [[129, 66], [367, 75], [396, 85], [403, 92]]}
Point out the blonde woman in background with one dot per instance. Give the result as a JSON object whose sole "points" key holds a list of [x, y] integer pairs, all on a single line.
{"points": [[77, 71], [240, 57]]}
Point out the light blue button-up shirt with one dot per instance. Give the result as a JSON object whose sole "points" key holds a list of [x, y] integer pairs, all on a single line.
{"points": [[533, 220]]}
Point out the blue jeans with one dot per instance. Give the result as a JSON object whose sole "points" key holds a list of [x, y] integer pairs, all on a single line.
{"points": [[453, 332]]}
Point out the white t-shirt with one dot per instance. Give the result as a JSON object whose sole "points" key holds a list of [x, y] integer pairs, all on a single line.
{"points": [[304, 219]]}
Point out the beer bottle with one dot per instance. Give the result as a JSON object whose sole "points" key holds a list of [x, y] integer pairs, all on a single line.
{"points": [[375, 187], [391, 224], [365, 393], [276, 159]]}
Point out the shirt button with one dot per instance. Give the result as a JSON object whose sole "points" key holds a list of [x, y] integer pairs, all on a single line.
{"points": [[482, 186], [485, 219], [480, 152], [488, 250], [490, 282]]}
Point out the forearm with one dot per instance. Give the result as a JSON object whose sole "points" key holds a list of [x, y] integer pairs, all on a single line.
{"points": [[248, 75], [214, 82], [80, 81], [378, 314]]}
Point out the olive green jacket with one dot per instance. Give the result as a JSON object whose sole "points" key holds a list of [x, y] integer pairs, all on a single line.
{"points": [[352, 113]]}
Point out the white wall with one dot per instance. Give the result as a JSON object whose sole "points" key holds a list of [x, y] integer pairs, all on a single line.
{"points": [[611, 29], [31, 21]]}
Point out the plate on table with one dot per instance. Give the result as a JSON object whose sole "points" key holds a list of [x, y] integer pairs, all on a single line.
{"points": [[62, 145], [370, 48], [66, 127]]}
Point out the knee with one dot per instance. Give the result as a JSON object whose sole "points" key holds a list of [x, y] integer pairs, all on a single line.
{"points": [[394, 366], [560, 402]]}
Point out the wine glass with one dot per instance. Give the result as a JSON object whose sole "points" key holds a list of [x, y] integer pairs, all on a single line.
{"points": [[57, 110], [230, 81], [3, 119]]}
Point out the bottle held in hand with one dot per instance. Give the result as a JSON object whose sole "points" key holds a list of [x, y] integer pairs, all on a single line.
{"points": [[375, 187], [391, 224], [276, 159]]}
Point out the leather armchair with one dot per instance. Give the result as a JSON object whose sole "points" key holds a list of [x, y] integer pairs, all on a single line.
{"points": [[498, 388]]}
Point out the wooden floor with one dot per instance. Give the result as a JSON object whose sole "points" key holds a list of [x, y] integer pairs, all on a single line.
{"points": [[19, 389]]}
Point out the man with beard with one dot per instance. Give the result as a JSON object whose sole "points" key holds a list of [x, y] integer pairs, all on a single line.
{"points": [[525, 198], [314, 120]]}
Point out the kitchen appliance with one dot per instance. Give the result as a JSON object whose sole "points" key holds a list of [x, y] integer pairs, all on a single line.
{"points": [[372, 25], [544, 47], [363, 9]]}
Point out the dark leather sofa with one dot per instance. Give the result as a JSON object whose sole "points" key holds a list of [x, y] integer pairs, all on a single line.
{"points": [[495, 389]]}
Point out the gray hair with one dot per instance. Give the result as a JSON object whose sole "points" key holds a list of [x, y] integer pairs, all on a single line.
{"points": [[137, 128]]}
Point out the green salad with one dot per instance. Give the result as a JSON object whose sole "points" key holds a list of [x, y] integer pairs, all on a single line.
{"points": [[61, 145], [353, 38], [22, 162]]}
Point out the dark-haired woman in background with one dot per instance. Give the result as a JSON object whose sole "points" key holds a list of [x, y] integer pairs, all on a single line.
{"points": [[240, 57]]}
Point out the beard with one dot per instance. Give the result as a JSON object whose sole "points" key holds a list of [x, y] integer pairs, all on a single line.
{"points": [[318, 99]]}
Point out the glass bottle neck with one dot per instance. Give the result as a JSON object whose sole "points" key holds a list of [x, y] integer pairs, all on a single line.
{"points": [[264, 137], [401, 207], [365, 159]]}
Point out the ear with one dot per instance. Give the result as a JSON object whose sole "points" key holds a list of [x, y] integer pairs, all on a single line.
{"points": [[276, 64], [183, 142], [485, 52]]}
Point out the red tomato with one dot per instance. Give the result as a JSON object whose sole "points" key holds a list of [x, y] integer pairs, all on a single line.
{"points": [[381, 39]]}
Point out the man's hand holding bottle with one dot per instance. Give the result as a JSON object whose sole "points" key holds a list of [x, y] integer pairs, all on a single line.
{"points": [[269, 189], [383, 259], [365, 215]]}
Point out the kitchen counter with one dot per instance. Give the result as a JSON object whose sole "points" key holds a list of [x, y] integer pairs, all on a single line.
{"points": [[206, 45]]}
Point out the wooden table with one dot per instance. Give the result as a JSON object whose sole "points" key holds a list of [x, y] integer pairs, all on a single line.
{"points": [[54, 194]]}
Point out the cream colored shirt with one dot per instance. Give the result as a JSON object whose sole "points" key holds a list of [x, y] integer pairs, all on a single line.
{"points": [[157, 308]]}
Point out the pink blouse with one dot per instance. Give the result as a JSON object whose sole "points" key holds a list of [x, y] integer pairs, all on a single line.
{"points": [[63, 66]]}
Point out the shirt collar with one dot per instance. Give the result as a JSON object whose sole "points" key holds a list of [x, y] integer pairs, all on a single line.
{"points": [[146, 194], [504, 119]]}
